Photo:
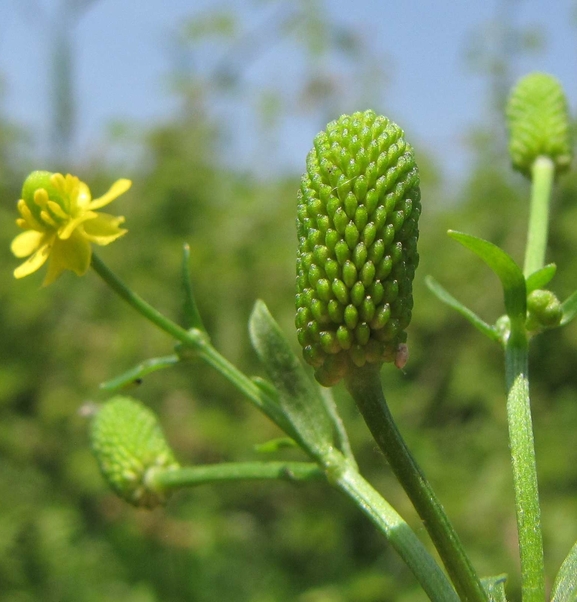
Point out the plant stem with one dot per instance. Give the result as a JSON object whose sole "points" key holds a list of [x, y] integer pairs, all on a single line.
{"points": [[524, 467], [340, 472], [196, 340], [543, 172], [134, 375], [365, 387], [403, 539], [342, 475], [236, 471], [521, 440]]}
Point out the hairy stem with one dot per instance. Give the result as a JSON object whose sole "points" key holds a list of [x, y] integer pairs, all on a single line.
{"points": [[524, 467], [365, 387]]}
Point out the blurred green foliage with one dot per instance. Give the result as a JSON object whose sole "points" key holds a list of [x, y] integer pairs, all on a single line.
{"points": [[65, 538]]}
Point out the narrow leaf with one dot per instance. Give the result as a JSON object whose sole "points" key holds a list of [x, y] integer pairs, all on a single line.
{"points": [[341, 437], [495, 588], [133, 376], [274, 445], [266, 387], [299, 398], [541, 278], [569, 307], [505, 268], [192, 317], [565, 586], [470, 315]]}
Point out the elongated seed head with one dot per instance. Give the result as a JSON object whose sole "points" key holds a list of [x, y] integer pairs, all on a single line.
{"points": [[539, 123], [130, 447], [357, 226]]}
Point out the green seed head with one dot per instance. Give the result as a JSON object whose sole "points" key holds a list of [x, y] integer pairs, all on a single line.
{"points": [[357, 226], [539, 123], [544, 310], [130, 447]]}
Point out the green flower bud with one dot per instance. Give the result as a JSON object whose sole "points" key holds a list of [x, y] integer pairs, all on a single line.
{"points": [[130, 447], [543, 310], [354, 282], [539, 123]]}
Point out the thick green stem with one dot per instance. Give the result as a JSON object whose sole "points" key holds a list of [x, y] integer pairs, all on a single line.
{"points": [[403, 539], [365, 387], [542, 172], [236, 471], [521, 440], [524, 469]]}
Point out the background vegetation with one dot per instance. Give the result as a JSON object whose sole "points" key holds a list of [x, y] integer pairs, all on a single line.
{"points": [[65, 538]]}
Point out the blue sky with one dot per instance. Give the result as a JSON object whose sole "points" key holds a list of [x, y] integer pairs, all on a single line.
{"points": [[125, 54]]}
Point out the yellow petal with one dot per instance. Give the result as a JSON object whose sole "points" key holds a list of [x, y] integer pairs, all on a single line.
{"points": [[119, 187], [67, 229], [73, 254], [84, 196], [26, 243], [33, 263], [104, 229]]}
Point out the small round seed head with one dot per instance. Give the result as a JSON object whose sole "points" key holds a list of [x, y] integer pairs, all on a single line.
{"points": [[130, 447], [357, 224], [539, 123], [544, 310]]}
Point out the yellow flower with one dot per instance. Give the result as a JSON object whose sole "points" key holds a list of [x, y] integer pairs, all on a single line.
{"points": [[59, 222]]}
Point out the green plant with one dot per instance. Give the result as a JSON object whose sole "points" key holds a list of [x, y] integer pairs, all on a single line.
{"points": [[358, 211]]}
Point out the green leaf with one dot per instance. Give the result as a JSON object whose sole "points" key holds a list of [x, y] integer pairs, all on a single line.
{"points": [[266, 387], [495, 588], [541, 278], [470, 315], [133, 376], [192, 317], [565, 586], [341, 437], [569, 307], [274, 445], [299, 398], [507, 271]]}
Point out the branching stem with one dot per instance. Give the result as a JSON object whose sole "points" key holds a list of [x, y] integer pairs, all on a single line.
{"points": [[191, 476], [365, 387], [340, 472]]}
